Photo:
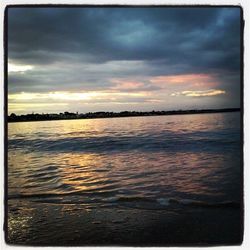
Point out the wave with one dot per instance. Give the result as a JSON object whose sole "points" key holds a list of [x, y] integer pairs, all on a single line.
{"points": [[165, 141], [82, 198], [165, 201]]}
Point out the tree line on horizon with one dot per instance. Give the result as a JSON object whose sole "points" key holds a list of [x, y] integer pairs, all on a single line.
{"points": [[102, 114]]}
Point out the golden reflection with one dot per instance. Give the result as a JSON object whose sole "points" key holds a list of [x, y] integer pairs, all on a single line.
{"points": [[44, 171], [20, 220], [83, 171], [183, 172], [190, 173]]}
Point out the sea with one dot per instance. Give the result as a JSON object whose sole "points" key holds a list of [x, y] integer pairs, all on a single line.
{"points": [[153, 162]]}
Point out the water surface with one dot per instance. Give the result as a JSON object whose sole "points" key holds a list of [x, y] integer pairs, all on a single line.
{"points": [[145, 162]]}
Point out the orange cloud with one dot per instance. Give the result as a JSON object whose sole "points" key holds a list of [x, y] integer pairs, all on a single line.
{"points": [[124, 84], [197, 80]]}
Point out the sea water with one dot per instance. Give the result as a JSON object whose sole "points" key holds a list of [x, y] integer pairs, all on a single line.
{"points": [[149, 162]]}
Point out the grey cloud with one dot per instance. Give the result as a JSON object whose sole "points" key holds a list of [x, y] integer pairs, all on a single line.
{"points": [[83, 48], [119, 33]]}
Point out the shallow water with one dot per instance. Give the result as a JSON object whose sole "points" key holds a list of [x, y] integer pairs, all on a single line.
{"points": [[146, 162]]}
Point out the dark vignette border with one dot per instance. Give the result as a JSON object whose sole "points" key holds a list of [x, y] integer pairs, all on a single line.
{"points": [[242, 118], [5, 226]]}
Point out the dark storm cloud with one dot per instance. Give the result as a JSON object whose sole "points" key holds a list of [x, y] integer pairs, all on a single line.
{"points": [[86, 48], [38, 35]]}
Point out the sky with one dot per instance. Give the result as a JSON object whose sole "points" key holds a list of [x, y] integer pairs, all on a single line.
{"points": [[115, 59]]}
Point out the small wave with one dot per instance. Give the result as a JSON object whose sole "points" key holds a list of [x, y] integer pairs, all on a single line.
{"points": [[134, 198], [172, 201], [111, 199], [82, 198], [164, 141], [163, 201], [40, 195], [169, 201]]}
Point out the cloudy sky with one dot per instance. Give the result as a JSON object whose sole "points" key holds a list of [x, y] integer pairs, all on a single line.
{"points": [[114, 59]]}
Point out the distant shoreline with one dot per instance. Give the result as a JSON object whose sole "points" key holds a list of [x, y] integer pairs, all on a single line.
{"points": [[74, 116]]}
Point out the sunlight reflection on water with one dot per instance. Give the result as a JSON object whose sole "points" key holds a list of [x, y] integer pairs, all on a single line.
{"points": [[180, 156]]}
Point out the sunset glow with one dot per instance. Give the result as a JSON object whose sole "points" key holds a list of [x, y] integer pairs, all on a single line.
{"points": [[190, 93], [142, 59], [69, 96], [198, 80]]}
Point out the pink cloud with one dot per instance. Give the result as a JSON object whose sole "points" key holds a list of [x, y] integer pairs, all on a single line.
{"points": [[196, 80], [126, 84]]}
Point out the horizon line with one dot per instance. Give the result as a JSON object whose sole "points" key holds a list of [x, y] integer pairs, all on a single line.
{"points": [[130, 111]]}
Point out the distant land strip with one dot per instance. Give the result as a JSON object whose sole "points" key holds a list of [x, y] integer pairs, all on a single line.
{"points": [[92, 115]]}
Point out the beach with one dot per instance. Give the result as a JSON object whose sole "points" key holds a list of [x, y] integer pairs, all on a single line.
{"points": [[44, 224]]}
